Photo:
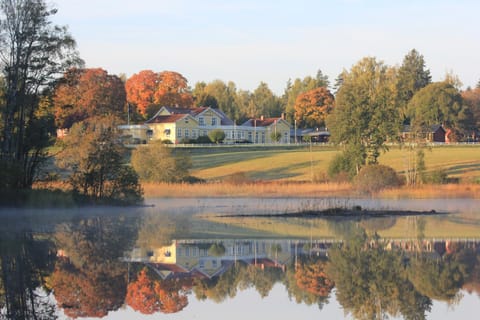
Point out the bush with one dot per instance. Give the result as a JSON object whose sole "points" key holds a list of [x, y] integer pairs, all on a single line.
{"points": [[156, 163], [237, 178], [341, 168], [376, 177], [216, 136], [203, 140], [438, 177]]}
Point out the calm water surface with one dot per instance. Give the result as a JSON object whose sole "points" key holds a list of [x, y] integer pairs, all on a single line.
{"points": [[191, 259]]}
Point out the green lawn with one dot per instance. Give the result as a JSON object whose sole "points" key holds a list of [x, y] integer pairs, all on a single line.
{"points": [[298, 164]]}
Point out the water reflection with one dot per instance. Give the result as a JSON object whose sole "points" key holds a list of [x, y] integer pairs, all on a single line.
{"points": [[90, 266]]}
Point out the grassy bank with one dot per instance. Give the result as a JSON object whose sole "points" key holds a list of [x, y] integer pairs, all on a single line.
{"points": [[305, 164]]}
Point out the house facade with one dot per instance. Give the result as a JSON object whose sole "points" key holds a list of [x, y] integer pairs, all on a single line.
{"points": [[179, 125], [435, 133]]}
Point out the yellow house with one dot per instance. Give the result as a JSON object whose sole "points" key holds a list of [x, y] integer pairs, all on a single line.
{"points": [[173, 127], [264, 130], [178, 125]]}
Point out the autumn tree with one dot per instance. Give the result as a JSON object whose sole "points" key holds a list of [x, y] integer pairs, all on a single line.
{"points": [[33, 52], [173, 90], [312, 107], [85, 93], [293, 90], [140, 89], [364, 117], [411, 77]]}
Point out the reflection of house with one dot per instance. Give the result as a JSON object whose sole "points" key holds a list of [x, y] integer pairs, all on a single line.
{"points": [[435, 133], [177, 125], [195, 258]]}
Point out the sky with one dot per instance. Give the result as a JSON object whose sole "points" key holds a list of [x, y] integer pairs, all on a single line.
{"points": [[251, 41]]}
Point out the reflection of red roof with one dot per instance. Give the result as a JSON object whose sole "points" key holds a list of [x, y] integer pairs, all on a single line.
{"points": [[166, 119]]}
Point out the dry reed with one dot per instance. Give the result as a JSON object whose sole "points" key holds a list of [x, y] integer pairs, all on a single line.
{"points": [[258, 189]]}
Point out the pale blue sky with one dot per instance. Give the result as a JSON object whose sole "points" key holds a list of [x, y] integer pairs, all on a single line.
{"points": [[273, 40]]}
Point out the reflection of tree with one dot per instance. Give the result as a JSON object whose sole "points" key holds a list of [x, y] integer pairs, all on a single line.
{"points": [[90, 280], [148, 295], [308, 282], [377, 224], [24, 263], [310, 276], [442, 279], [158, 229], [218, 288], [370, 281]]}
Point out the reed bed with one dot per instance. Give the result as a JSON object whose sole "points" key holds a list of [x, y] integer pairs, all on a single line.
{"points": [[431, 191], [257, 189]]}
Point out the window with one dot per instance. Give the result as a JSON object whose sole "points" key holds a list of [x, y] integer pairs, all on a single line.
{"points": [[214, 121], [187, 134], [167, 132], [201, 121], [250, 136], [179, 132], [214, 263]]}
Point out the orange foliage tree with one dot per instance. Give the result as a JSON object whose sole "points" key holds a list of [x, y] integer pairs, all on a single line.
{"points": [[167, 88], [313, 106], [173, 90], [141, 89], [85, 292], [311, 277], [84, 93], [141, 294], [148, 296]]}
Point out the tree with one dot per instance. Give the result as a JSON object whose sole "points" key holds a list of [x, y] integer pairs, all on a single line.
{"points": [[218, 94], [173, 90], [312, 107], [411, 77], [85, 93], [300, 86], [364, 117], [155, 162], [140, 89], [96, 158], [437, 103], [33, 53], [264, 102], [471, 98]]}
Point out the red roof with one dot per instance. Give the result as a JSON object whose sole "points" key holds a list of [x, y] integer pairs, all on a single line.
{"points": [[166, 119]]}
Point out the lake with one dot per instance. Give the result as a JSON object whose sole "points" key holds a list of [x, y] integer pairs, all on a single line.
{"points": [[207, 259]]}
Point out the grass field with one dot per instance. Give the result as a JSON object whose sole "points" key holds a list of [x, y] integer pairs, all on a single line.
{"points": [[305, 164]]}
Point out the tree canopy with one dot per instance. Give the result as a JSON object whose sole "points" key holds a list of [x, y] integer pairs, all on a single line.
{"points": [[85, 93], [33, 52], [313, 106], [364, 117]]}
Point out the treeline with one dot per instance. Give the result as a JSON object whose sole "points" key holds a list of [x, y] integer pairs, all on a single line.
{"points": [[44, 87]]}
